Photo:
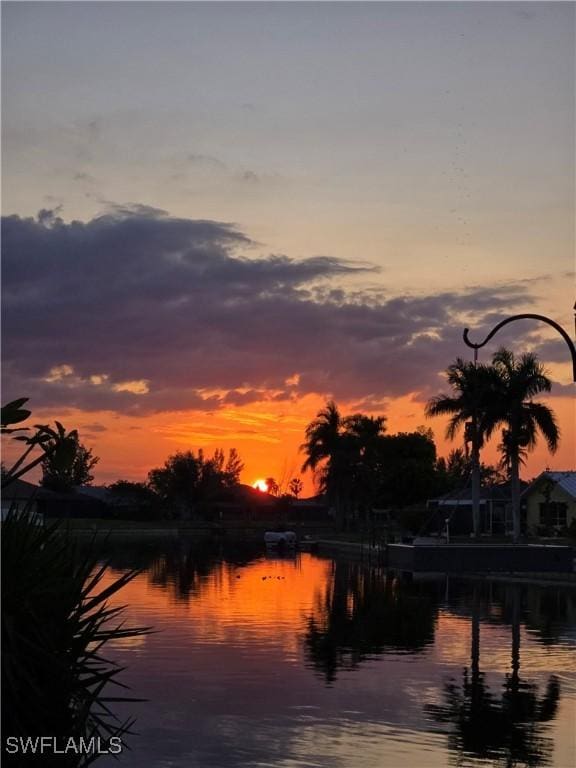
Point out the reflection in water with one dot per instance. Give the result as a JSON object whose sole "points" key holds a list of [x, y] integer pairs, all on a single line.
{"points": [[504, 728], [308, 661], [184, 569], [179, 566], [365, 612]]}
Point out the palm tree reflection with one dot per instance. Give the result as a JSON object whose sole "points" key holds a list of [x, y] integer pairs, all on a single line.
{"points": [[506, 728], [363, 613]]}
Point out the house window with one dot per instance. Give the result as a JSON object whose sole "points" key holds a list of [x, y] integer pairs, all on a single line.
{"points": [[555, 513]]}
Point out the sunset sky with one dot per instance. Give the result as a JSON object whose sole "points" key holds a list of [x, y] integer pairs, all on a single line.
{"points": [[217, 215]]}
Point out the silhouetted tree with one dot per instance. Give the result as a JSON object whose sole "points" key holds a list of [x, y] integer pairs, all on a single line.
{"points": [[326, 455], [407, 469], [295, 487], [454, 472], [520, 379], [134, 500], [228, 469], [472, 407], [272, 486], [360, 467], [68, 463], [363, 436], [186, 481]]}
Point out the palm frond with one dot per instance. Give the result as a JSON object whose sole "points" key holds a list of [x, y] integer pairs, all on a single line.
{"points": [[544, 418]]}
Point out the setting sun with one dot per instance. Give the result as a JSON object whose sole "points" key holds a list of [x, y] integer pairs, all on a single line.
{"points": [[260, 485]]}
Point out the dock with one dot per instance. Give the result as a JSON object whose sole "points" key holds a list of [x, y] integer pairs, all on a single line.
{"points": [[482, 558]]}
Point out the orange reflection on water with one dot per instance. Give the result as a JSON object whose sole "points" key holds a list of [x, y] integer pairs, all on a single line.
{"points": [[267, 600], [453, 637], [312, 649]]}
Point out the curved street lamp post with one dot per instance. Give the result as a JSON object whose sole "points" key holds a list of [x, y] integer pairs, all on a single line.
{"points": [[527, 316], [476, 347]]}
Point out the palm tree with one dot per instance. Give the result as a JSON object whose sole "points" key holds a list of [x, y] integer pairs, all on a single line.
{"points": [[322, 436], [471, 406], [365, 429], [325, 449], [519, 380], [363, 435], [272, 486]]}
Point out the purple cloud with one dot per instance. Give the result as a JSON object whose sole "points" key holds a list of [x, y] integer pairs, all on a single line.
{"points": [[136, 311]]}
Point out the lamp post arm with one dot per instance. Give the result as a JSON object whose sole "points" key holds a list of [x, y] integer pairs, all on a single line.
{"points": [[527, 316]]}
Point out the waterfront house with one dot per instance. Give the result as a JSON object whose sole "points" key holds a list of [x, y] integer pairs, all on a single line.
{"points": [[21, 496], [550, 502], [456, 506], [314, 509], [243, 502]]}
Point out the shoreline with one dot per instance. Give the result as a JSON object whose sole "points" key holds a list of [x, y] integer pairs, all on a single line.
{"points": [[378, 556], [325, 547]]}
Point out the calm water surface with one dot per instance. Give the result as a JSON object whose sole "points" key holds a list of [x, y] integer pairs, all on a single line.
{"points": [[313, 662]]}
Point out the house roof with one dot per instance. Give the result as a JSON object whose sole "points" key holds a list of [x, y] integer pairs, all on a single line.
{"points": [[20, 489], [313, 501], [244, 494], [98, 492], [463, 496], [566, 480]]}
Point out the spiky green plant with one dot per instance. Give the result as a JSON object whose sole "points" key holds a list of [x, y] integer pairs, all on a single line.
{"points": [[56, 619], [59, 449]]}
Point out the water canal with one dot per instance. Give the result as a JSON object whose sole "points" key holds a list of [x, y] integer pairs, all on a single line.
{"points": [[305, 662]]}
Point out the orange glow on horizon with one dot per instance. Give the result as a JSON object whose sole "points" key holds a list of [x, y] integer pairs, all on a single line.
{"points": [[267, 434], [260, 485]]}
